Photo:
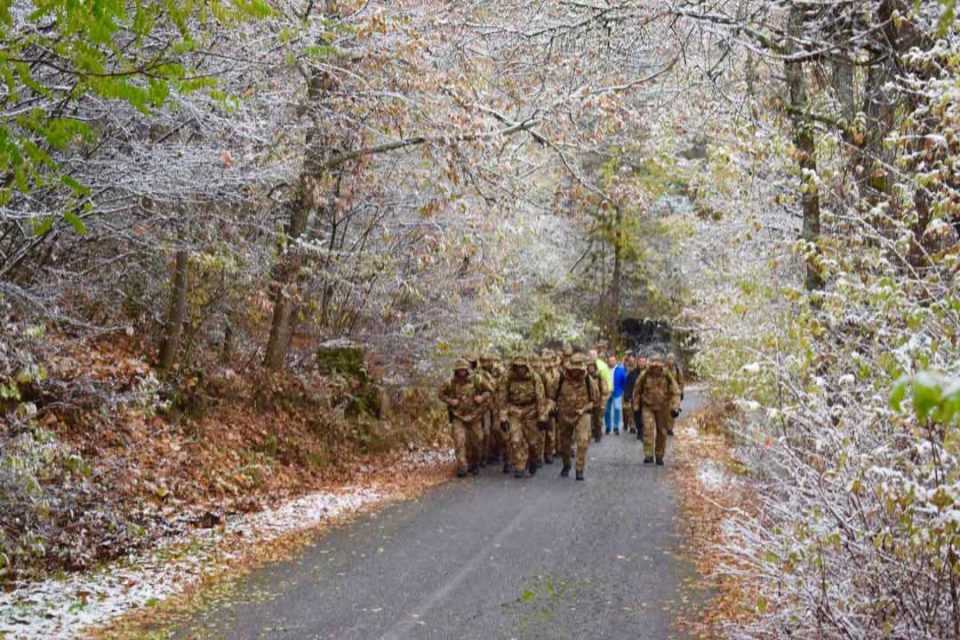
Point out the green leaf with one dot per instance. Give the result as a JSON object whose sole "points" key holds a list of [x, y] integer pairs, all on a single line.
{"points": [[899, 393], [75, 186], [946, 18], [761, 604], [75, 222], [43, 227]]}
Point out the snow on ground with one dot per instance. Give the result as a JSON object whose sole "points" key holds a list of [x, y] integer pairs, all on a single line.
{"points": [[62, 608], [713, 477]]}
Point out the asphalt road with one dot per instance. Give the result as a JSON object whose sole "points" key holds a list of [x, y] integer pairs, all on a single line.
{"points": [[486, 557]]}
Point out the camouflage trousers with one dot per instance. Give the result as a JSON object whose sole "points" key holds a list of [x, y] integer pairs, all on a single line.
{"points": [[574, 432], [549, 439], [655, 425], [498, 442], [467, 437], [596, 424], [526, 441]]}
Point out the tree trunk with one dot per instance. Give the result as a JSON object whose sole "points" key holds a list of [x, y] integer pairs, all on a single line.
{"points": [[176, 314], [311, 196], [284, 284], [616, 281], [806, 146], [879, 107]]}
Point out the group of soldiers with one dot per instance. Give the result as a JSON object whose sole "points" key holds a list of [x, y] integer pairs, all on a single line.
{"points": [[541, 406]]}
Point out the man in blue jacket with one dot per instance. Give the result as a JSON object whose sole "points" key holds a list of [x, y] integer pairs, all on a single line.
{"points": [[613, 416]]}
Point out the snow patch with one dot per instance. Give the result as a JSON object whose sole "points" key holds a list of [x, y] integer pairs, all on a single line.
{"points": [[713, 477], [62, 608]]}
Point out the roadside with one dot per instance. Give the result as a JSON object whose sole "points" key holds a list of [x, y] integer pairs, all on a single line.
{"points": [[486, 557], [711, 493], [118, 592]]}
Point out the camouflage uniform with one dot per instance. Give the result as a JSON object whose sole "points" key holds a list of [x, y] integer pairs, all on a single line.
{"points": [[496, 441], [577, 395], [551, 380], [466, 396], [524, 410], [658, 395], [596, 418]]}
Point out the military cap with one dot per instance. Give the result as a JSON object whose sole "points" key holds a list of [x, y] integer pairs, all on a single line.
{"points": [[461, 363]]}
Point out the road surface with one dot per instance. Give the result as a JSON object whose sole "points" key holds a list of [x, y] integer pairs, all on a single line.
{"points": [[487, 557]]}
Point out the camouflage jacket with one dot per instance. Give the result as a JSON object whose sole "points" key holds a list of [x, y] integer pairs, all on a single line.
{"points": [[523, 397], [601, 387], [494, 379], [657, 389], [576, 397], [459, 396], [551, 384]]}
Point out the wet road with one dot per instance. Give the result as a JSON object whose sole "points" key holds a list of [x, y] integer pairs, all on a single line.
{"points": [[486, 557]]}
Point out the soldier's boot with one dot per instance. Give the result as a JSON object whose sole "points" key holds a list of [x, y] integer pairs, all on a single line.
{"points": [[532, 468], [579, 475], [648, 460], [669, 432], [518, 473], [565, 472], [547, 458], [461, 473], [659, 462], [474, 468], [507, 467]]}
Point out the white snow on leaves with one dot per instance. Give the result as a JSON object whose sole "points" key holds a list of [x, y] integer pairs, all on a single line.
{"points": [[713, 477]]}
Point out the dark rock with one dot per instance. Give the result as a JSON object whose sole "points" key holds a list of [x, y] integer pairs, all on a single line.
{"points": [[341, 356]]}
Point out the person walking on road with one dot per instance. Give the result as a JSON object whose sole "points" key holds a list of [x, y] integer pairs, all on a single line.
{"points": [[613, 416], [467, 396], [629, 421], [523, 406], [658, 395], [576, 398], [596, 420]]}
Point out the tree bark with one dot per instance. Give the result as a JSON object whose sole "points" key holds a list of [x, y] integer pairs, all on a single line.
{"points": [[806, 147], [617, 280], [176, 313], [311, 195]]}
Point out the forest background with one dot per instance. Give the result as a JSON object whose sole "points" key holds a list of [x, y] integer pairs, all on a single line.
{"points": [[196, 197]]}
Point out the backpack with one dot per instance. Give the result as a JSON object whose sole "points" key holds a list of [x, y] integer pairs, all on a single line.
{"points": [[586, 384]]}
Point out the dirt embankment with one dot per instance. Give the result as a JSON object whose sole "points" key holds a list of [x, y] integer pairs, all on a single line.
{"points": [[101, 455], [712, 491]]}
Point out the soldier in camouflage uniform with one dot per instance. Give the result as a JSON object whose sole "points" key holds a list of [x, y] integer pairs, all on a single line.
{"points": [[496, 442], [466, 395], [551, 379], [523, 414], [577, 397], [596, 418], [658, 395]]}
